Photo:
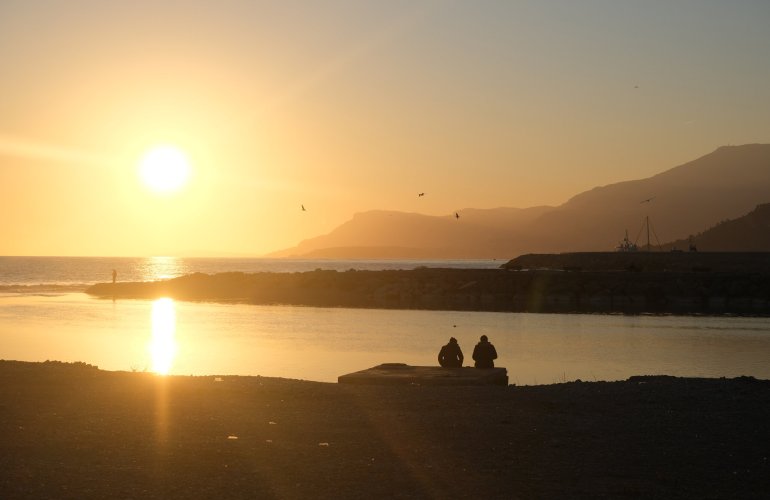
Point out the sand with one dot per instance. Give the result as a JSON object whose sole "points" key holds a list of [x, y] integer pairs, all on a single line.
{"points": [[73, 431]]}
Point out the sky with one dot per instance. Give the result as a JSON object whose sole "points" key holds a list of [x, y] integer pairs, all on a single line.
{"points": [[349, 106]]}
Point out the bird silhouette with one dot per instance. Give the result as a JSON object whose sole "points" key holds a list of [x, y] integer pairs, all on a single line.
{"points": [[303, 208], [420, 194], [647, 200], [457, 216]]}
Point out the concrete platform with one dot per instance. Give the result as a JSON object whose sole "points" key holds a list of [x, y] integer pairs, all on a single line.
{"points": [[402, 374]]}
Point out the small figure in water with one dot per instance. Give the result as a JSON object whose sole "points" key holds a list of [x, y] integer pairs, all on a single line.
{"points": [[114, 275], [450, 355], [484, 354]]}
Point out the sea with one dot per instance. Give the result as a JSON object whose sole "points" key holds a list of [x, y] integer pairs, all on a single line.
{"points": [[45, 314]]}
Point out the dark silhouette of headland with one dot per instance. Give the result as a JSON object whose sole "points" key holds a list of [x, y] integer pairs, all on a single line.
{"points": [[609, 282]]}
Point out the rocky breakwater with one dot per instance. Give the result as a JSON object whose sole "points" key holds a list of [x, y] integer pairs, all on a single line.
{"points": [[655, 282], [511, 288]]}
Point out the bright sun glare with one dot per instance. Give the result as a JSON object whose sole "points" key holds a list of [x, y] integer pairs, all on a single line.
{"points": [[163, 346], [164, 169]]}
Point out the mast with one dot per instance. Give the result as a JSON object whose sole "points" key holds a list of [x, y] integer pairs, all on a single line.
{"points": [[647, 223]]}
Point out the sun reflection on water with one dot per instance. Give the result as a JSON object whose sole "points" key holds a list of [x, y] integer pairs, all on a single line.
{"points": [[163, 345], [161, 268]]}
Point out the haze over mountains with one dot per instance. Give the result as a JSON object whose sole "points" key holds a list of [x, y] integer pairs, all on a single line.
{"points": [[685, 200]]}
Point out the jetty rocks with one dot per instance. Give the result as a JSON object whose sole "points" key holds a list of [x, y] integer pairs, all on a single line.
{"points": [[677, 283]]}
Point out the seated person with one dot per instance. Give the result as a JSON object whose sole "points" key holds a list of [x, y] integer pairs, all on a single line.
{"points": [[484, 354], [450, 355]]}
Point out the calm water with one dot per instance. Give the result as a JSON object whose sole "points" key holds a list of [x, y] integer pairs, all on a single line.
{"points": [[43, 316], [20, 274]]}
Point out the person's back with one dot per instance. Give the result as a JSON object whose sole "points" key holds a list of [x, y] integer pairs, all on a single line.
{"points": [[450, 355], [484, 354]]}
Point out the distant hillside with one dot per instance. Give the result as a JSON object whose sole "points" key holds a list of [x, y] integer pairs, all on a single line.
{"points": [[750, 233], [389, 234], [684, 200]]}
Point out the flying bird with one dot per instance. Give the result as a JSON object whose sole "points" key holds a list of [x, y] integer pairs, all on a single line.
{"points": [[303, 208], [457, 216], [420, 194], [647, 200]]}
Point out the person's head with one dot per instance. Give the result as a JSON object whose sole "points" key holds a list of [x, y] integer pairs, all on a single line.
{"points": [[452, 340], [484, 338]]}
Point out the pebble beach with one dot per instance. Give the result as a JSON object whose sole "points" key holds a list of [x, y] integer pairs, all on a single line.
{"points": [[71, 430]]}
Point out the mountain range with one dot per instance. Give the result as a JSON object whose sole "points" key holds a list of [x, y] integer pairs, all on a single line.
{"points": [[680, 202], [750, 233]]}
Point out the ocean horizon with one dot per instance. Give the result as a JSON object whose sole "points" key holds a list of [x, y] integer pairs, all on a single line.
{"points": [[24, 273]]}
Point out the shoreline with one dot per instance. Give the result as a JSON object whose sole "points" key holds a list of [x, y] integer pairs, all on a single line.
{"points": [[72, 430], [740, 293]]}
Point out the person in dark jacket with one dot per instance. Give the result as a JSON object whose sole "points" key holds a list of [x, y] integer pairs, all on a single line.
{"points": [[484, 354], [450, 355]]}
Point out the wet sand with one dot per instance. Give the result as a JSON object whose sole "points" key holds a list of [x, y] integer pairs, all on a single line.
{"points": [[73, 431]]}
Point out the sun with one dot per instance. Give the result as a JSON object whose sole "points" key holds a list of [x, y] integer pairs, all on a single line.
{"points": [[164, 169]]}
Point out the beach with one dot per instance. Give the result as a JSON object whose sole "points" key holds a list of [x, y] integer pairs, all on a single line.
{"points": [[71, 430]]}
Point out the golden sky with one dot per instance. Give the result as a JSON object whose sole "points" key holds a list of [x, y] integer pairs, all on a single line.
{"points": [[347, 106]]}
